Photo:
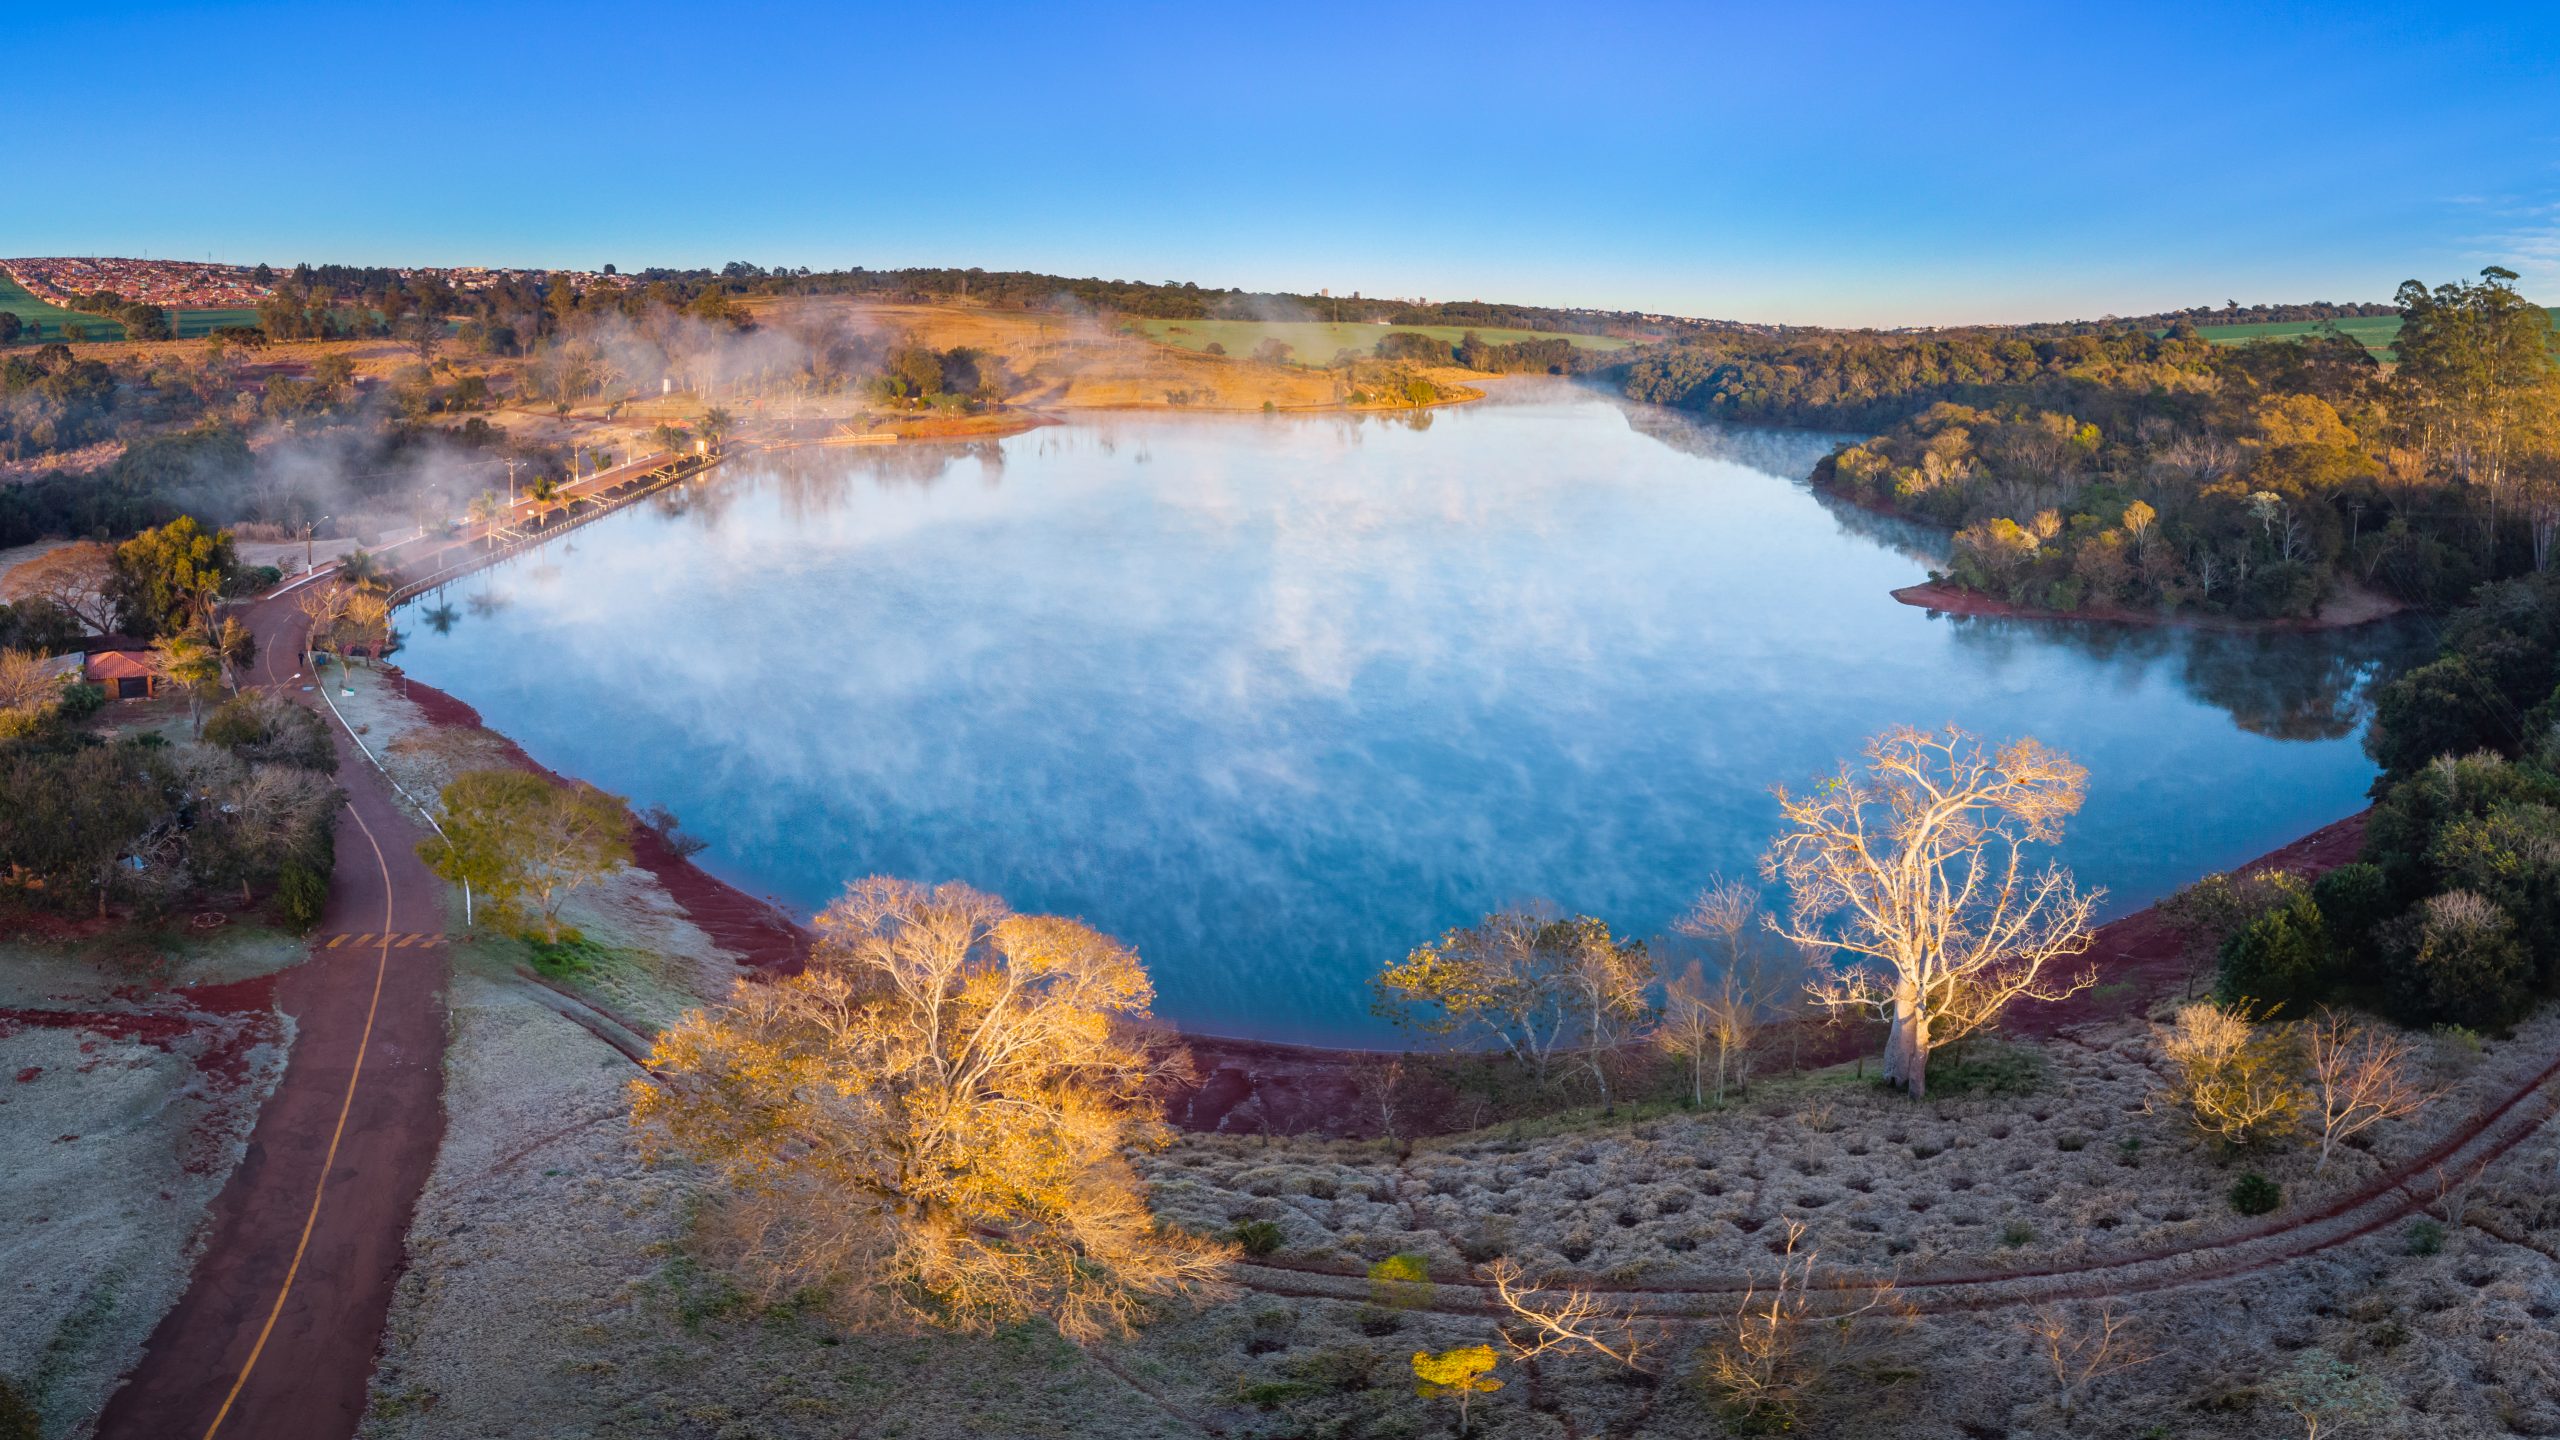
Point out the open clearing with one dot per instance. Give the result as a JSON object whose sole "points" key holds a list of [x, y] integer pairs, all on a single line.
{"points": [[1314, 341]]}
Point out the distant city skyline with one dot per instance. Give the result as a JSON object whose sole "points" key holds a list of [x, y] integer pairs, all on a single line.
{"points": [[1837, 164]]}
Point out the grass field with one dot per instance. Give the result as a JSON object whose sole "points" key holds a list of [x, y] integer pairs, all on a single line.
{"points": [[2376, 331], [45, 322], [1315, 341]]}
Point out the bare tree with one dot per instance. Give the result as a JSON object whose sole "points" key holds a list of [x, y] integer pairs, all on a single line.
{"points": [[1537, 1320], [1779, 1347], [27, 682], [2361, 1076], [1916, 868], [932, 1122], [78, 577], [325, 606], [1713, 1009], [2081, 1348]]}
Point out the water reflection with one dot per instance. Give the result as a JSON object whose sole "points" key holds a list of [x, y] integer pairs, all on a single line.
{"points": [[1290, 694]]}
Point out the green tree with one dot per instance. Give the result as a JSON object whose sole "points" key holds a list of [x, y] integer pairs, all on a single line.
{"points": [[169, 577], [516, 838], [183, 658]]}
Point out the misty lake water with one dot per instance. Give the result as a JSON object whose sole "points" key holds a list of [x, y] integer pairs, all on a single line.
{"points": [[1276, 698]]}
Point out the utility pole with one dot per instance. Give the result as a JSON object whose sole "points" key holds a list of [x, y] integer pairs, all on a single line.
{"points": [[511, 487]]}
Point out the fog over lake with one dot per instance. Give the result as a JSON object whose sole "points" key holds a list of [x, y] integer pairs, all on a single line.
{"points": [[1276, 698]]}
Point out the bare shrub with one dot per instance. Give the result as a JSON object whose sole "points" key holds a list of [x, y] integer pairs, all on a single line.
{"points": [[1539, 1320], [2361, 1076], [1770, 1362], [2081, 1347]]}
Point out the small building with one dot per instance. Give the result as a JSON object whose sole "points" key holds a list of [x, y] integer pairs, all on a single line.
{"points": [[123, 674]]}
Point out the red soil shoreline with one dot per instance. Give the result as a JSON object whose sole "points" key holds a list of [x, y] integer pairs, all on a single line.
{"points": [[1948, 598], [1246, 1086]]}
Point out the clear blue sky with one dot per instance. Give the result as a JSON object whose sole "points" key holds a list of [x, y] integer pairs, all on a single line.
{"points": [[1855, 163]]}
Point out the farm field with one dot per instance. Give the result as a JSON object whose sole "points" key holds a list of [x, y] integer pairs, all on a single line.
{"points": [[2376, 331], [1316, 341], [45, 322]]}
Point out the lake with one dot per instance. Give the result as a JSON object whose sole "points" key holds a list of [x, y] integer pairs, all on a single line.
{"points": [[1276, 698]]}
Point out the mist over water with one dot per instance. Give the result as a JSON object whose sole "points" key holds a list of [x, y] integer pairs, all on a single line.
{"points": [[1277, 698]]}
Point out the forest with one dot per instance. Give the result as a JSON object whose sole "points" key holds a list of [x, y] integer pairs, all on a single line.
{"points": [[2131, 472]]}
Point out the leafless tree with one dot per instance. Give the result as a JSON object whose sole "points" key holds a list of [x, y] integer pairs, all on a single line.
{"points": [[2361, 1076], [78, 577], [1779, 1347], [2080, 1348], [27, 683], [1713, 1008], [1537, 1320], [1916, 868]]}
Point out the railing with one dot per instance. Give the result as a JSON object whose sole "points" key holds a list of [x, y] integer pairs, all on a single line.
{"points": [[599, 505]]}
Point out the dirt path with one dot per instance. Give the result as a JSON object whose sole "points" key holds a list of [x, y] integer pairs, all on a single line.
{"points": [[275, 1336]]}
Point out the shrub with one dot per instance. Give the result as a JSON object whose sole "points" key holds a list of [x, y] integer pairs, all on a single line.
{"points": [[1257, 1237], [2255, 1194], [81, 701], [2240, 1082], [2281, 958], [2457, 959], [2426, 1237], [2016, 1233], [2355, 902]]}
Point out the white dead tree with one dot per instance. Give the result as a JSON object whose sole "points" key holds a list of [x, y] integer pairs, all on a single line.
{"points": [[1780, 1348], [1915, 866], [1537, 1320]]}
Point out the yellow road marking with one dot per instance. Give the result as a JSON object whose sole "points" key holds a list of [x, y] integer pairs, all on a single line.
{"points": [[364, 1041], [337, 940]]}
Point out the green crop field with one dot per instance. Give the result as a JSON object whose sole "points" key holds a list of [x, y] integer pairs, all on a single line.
{"points": [[45, 322], [1315, 341], [2376, 331], [191, 323]]}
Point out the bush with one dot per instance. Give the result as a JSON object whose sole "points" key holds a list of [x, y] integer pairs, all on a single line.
{"points": [[2457, 960], [2280, 959], [1258, 1237], [2241, 1083], [81, 701], [2426, 1237], [302, 882], [2355, 902], [2255, 1194]]}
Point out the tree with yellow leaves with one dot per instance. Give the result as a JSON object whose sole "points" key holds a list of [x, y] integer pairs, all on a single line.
{"points": [[1460, 1374], [931, 1124]]}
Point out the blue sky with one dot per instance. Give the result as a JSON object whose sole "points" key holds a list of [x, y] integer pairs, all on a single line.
{"points": [[1853, 163]]}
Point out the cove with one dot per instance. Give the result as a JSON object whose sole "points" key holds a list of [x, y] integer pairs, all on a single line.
{"points": [[1275, 698]]}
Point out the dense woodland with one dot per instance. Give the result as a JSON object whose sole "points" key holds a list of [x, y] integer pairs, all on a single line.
{"points": [[2128, 470]]}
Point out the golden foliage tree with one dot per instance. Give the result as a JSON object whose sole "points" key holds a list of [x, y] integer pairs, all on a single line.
{"points": [[931, 1124], [1530, 981], [1916, 868], [2240, 1082], [1460, 1374]]}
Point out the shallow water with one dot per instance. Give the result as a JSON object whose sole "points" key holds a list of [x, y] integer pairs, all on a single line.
{"points": [[1277, 698]]}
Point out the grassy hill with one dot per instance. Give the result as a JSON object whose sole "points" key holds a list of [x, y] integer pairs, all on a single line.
{"points": [[1315, 341]]}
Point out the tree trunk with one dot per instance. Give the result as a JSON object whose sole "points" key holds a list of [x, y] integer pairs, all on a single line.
{"points": [[1906, 1047]]}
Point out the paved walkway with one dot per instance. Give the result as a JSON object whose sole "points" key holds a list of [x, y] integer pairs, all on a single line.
{"points": [[275, 1336]]}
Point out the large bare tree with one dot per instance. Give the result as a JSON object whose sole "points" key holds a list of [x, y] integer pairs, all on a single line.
{"points": [[78, 577], [1915, 866], [931, 1125]]}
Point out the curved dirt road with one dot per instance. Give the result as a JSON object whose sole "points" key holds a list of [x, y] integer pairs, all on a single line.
{"points": [[275, 1336]]}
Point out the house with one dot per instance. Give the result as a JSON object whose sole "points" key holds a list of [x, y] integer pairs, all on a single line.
{"points": [[122, 670]]}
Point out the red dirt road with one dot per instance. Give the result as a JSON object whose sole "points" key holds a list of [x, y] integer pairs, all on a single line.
{"points": [[275, 1336]]}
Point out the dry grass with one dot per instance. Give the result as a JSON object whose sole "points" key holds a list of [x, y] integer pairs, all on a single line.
{"points": [[111, 1150], [2078, 1168]]}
